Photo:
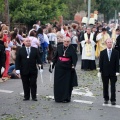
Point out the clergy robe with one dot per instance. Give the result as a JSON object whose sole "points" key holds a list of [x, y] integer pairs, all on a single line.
{"points": [[88, 53], [101, 45], [65, 77]]}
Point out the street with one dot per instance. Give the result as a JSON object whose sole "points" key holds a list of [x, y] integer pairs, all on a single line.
{"points": [[87, 100]]}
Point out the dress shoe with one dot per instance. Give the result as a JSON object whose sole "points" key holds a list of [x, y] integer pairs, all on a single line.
{"points": [[25, 99], [34, 99], [105, 102], [113, 103]]}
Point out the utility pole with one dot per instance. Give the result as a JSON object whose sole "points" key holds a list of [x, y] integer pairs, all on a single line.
{"points": [[6, 13], [115, 15], [89, 10]]}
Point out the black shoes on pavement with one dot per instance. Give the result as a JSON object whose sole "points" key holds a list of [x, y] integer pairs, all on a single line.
{"points": [[112, 103], [34, 99]]}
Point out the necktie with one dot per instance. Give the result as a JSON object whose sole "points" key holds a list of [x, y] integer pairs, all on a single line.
{"points": [[28, 51], [110, 54]]}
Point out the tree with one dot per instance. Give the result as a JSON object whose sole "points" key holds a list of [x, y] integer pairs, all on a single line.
{"points": [[28, 11], [108, 7], [78, 5]]}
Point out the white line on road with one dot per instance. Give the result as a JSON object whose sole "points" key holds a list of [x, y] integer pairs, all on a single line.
{"points": [[86, 93], [50, 97], [109, 105], [80, 101], [83, 101], [6, 91]]}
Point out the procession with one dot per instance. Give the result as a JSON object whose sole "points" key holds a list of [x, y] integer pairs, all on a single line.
{"points": [[61, 68]]}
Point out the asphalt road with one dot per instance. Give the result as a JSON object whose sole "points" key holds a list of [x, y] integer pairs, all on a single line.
{"points": [[87, 100]]}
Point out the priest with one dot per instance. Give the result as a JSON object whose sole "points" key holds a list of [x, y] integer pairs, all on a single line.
{"points": [[88, 51], [101, 44]]}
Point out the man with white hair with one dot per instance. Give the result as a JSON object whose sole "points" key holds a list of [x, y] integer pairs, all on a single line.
{"points": [[65, 78], [25, 64], [109, 70]]}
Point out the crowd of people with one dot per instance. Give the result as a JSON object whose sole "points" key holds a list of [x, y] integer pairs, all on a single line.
{"points": [[59, 45]]}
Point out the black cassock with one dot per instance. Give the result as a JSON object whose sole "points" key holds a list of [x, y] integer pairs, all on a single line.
{"points": [[65, 77]]}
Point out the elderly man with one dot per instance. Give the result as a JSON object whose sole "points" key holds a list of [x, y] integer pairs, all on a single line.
{"points": [[26, 61], [65, 79], [109, 70]]}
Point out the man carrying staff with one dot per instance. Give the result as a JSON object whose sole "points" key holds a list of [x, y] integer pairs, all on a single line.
{"points": [[26, 61], [109, 70]]}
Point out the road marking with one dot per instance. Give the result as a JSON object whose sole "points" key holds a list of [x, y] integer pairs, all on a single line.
{"points": [[79, 101], [109, 105], [6, 91], [83, 101], [22, 94], [50, 97], [86, 93]]}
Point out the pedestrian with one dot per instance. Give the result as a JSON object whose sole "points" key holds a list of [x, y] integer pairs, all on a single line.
{"points": [[100, 40], [88, 51], [109, 70], [2, 61], [65, 78], [25, 64], [8, 46], [117, 41], [74, 40]]}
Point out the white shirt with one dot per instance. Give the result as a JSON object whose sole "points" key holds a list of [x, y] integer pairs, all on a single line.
{"points": [[46, 38], [34, 41], [74, 40]]}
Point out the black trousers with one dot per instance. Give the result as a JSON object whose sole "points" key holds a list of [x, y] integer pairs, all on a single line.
{"points": [[112, 80], [0, 71], [29, 82]]}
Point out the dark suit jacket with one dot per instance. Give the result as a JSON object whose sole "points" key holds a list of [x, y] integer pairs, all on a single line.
{"points": [[117, 46], [109, 67], [27, 65], [2, 56]]}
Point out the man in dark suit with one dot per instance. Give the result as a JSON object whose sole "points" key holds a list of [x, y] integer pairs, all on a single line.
{"points": [[117, 45], [109, 69], [2, 61], [26, 61]]}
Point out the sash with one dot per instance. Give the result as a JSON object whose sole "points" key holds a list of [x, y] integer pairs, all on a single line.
{"points": [[86, 36], [64, 59]]}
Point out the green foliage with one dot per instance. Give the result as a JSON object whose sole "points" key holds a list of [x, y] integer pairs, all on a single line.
{"points": [[108, 7], [78, 5], [28, 11], [1, 6]]}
